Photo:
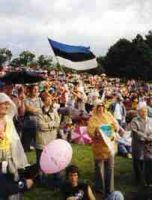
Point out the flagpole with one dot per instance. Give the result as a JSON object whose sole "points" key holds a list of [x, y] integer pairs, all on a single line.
{"points": [[61, 68]]}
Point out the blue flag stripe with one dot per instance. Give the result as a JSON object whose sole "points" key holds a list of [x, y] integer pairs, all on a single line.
{"points": [[69, 48]]}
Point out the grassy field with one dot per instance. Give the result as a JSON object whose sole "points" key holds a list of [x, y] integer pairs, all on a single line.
{"points": [[83, 158]]}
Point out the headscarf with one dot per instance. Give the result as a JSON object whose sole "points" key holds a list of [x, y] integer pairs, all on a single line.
{"points": [[97, 103], [12, 109]]}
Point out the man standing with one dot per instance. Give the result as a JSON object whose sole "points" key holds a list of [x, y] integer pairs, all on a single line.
{"points": [[33, 106], [141, 127]]}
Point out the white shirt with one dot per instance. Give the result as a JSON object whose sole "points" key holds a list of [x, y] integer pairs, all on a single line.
{"points": [[118, 111]]}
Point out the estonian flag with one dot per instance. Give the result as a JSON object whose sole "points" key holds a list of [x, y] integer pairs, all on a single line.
{"points": [[73, 57]]}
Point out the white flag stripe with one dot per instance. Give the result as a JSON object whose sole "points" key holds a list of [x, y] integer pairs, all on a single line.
{"points": [[83, 65]]}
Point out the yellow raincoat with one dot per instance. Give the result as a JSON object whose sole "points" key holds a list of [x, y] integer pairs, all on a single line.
{"points": [[99, 147]]}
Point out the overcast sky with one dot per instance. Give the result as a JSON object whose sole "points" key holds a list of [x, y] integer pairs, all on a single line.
{"points": [[26, 24]]}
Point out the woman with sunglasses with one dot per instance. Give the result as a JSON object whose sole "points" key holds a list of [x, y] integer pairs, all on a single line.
{"points": [[104, 158]]}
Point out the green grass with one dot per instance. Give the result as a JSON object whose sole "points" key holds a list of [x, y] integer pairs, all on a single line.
{"points": [[83, 158]]}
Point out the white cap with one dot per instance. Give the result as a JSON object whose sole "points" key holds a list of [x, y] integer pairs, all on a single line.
{"points": [[141, 105]]}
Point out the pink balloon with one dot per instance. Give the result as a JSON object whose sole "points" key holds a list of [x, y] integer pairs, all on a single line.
{"points": [[56, 156]]}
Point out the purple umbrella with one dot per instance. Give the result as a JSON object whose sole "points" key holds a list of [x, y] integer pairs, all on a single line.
{"points": [[80, 135]]}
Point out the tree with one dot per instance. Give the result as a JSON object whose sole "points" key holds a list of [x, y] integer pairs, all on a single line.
{"points": [[148, 39], [142, 57], [26, 58], [5, 56], [130, 59], [44, 62], [100, 61], [117, 60], [15, 62]]}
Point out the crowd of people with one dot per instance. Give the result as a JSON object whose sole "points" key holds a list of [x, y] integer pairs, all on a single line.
{"points": [[32, 115]]}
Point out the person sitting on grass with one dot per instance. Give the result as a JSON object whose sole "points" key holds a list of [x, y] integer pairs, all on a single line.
{"points": [[124, 145], [75, 190]]}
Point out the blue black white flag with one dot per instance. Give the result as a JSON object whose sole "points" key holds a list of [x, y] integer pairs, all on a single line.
{"points": [[74, 57]]}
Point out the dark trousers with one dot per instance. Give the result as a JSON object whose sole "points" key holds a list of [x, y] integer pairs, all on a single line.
{"points": [[148, 171], [29, 132], [123, 149], [28, 138], [38, 155], [138, 166]]}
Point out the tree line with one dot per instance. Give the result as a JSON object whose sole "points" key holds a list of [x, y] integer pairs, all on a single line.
{"points": [[25, 59], [130, 59], [126, 59]]}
